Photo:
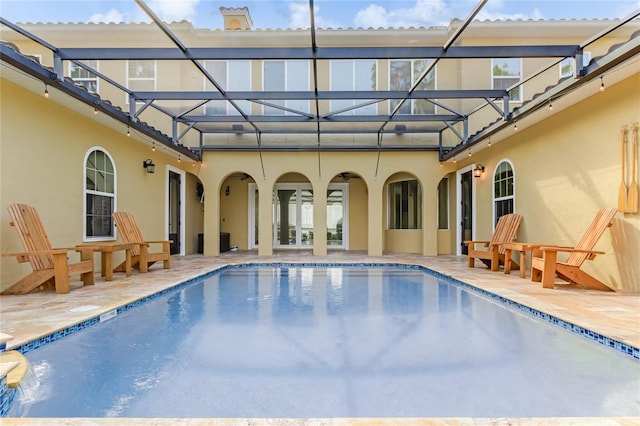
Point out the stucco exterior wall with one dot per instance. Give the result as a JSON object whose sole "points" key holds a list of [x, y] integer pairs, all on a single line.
{"points": [[43, 147], [567, 167]]}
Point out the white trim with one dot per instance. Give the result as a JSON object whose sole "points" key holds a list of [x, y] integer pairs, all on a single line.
{"points": [[130, 79], [501, 77], [493, 190], [84, 195], [459, 174], [183, 182], [345, 215], [82, 80]]}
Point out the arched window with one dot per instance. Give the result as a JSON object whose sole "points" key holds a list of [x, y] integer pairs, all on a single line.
{"points": [[503, 190], [99, 195]]}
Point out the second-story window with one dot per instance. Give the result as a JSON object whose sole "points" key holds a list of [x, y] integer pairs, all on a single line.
{"points": [[141, 75], [352, 76], [567, 68], [288, 76], [83, 77], [505, 72], [231, 76], [402, 76]]}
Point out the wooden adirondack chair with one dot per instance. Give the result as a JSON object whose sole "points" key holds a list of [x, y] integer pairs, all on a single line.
{"points": [[141, 258], [50, 266], [545, 266], [493, 255]]}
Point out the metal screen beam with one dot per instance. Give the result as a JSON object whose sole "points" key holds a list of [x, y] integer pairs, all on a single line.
{"points": [[324, 53], [322, 95]]}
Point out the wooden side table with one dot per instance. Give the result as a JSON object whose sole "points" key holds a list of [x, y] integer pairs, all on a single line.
{"points": [[523, 248], [106, 250]]}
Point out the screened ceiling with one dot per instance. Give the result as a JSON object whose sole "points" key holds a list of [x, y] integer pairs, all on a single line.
{"points": [[325, 113]]}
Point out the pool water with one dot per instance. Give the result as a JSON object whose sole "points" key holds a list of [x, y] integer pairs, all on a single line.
{"points": [[326, 342]]}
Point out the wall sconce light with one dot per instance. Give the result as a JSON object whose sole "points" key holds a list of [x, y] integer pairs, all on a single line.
{"points": [[227, 190], [149, 166], [478, 170]]}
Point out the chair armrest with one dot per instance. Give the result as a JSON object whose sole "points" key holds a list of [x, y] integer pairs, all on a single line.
{"points": [[159, 242], [36, 253], [569, 250]]}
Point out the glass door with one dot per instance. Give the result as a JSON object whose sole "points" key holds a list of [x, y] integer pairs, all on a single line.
{"points": [[293, 213]]}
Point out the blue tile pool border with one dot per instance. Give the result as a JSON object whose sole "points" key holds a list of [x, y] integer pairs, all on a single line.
{"points": [[588, 334]]}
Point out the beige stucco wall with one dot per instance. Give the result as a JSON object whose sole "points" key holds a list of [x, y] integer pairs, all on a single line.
{"points": [[367, 206], [567, 167], [43, 149]]}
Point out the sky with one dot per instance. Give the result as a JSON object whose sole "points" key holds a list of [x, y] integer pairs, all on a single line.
{"points": [[328, 13]]}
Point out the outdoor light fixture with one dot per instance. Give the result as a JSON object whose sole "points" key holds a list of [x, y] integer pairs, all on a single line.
{"points": [[237, 128], [227, 190], [478, 170], [602, 83], [46, 91], [401, 128], [149, 166]]}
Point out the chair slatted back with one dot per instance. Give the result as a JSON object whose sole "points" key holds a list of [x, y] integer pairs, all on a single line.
{"points": [[601, 222], [26, 220], [129, 231], [506, 229]]}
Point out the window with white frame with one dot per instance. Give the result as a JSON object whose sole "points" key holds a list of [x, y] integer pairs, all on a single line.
{"points": [[231, 76], [503, 190], [99, 195], [402, 76], [286, 76], [506, 72], [353, 75], [83, 77], [141, 75], [405, 205], [567, 65]]}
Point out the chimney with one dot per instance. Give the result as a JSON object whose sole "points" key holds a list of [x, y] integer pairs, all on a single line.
{"points": [[236, 18]]}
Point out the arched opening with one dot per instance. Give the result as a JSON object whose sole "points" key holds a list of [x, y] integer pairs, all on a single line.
{"points": [[238, 212], [404, 214]]}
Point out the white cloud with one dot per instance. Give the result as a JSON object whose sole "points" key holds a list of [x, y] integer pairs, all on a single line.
{"points": [[373, 16], [111, 16], [174, 10], [300, 17], [424, 13]]}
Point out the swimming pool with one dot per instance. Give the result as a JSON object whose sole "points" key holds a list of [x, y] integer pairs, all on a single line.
{"points": [[298, 341]]}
